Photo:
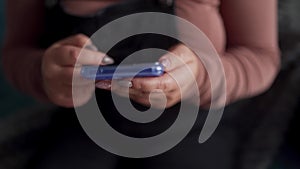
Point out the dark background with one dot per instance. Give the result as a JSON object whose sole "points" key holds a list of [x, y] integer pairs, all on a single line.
{"points": [[10, 100]]}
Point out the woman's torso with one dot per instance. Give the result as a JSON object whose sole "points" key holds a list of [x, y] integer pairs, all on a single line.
{"points": [[70, 147], [86, 7]]}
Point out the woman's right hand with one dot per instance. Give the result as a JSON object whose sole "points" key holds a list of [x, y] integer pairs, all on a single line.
{"points": [[61, 61]]}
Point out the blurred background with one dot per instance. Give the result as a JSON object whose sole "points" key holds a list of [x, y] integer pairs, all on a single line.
{"points": [[10, 100], [287, 156]]}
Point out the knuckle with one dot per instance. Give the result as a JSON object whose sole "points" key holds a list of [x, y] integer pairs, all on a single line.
{"points": [[147, 85], [162, 84], [51, 52], [144, 86], [136, 82], [81, 39], [171, 83], [73, 53]]}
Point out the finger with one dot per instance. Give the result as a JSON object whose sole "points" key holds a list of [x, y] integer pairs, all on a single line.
{"points": [[157, 99], [165, 83], [141, 100], [90, 57], [79, 40], [177, 57], [76, 91], [137, 96], [157, 94], [176, 79], [121, 87], [104, 84], [71, 76], [185, 79], [183, 76], [70, 55], [119, 90], [82, 41], [106, 60], [82, 91]]}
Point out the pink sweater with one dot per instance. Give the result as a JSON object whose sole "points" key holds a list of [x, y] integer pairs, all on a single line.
{"points": [[243, 32], [245, 35]]}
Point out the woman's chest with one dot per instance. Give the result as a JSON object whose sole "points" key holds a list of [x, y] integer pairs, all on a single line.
{"points": [[85, 7]]}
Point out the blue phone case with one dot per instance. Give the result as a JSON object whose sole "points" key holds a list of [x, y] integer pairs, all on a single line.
{"points": [[123, 71]]}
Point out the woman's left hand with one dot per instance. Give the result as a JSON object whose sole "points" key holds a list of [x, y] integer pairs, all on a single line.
{"points": [[182, 69]]}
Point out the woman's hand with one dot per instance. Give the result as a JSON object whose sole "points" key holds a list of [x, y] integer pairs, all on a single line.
{"points": [[61, 61], [182, 68]]}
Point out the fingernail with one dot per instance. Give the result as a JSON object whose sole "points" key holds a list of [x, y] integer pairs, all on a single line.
{"points": [[107, 60], [103, 85], [91, 47], [125, 83], [165, 62]]}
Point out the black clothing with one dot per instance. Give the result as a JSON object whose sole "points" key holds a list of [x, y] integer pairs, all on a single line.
{"points": [[69, 147]]}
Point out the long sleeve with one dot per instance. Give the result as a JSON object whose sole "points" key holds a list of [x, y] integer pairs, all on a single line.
{"points": [[21, 57], [244, 33]]}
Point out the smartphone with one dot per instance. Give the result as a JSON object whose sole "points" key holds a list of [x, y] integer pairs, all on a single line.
{"points": [[122, 71]]}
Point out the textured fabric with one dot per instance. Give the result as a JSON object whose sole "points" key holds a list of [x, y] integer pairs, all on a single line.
{"points": [[245, 35]]}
